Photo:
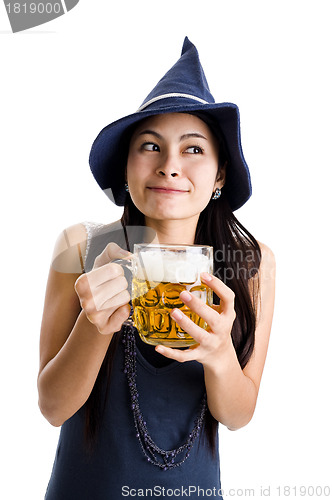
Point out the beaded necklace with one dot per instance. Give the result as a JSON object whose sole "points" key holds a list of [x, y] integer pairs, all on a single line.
{"points": [[164, 459]]}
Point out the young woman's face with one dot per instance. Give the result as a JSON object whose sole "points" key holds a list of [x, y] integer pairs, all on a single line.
{"points": [[172, 166]]}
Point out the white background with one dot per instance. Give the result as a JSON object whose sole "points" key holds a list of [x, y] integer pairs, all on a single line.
{"points": [[60, 84]]}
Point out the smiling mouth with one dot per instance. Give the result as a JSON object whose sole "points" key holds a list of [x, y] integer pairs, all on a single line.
{"points": [[167, 190]]}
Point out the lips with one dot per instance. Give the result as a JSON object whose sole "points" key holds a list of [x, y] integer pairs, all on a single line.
{"points": [[168, 189]]}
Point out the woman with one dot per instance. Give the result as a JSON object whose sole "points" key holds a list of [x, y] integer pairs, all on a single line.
{"points": [[139, 421]]}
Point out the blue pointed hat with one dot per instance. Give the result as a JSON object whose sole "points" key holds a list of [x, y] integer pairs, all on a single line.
{"points": [[183, 88]]}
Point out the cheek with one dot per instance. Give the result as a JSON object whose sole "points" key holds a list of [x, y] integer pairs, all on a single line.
{"points": [[138, 166], [130, 163], [204, 185], [137, 175], [204, 179], [134, 169]]}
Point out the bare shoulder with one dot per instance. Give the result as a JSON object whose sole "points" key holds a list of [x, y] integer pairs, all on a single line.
{"points": [[266, 277], [62, 306], [267, 253], [264, 313], [268, 263], [69, 250]]}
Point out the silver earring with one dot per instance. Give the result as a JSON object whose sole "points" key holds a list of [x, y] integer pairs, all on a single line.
{"points": [[127, 188], [216, 194]]}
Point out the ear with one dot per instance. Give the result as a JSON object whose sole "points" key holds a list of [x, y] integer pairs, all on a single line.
{"points": [[221, 178]]}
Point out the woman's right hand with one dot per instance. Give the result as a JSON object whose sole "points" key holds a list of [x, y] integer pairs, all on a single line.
{"points": [[103, 291]]}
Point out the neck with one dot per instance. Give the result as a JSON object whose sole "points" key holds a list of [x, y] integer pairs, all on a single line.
{"points": [[176, 232]]}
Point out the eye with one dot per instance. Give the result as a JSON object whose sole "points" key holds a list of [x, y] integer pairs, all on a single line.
{"points": [[150, 146], [196, 150]]}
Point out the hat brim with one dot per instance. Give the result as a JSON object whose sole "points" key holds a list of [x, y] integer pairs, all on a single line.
{"points": [[108, 153]]}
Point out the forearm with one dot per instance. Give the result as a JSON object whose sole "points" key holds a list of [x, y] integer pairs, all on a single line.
{"points": [[231, 395], [66, 381]]}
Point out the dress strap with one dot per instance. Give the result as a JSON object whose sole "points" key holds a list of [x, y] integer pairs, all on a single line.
{"points": [[90, 228], [125, 235]]}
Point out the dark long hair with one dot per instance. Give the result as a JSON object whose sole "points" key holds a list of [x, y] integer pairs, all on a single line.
{"points": [[237, 257]]}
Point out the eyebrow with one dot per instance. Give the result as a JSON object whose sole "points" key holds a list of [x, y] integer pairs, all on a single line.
{"points": [[182, 138]]}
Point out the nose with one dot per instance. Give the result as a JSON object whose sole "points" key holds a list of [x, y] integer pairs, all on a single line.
{"points": [[169, 167]]}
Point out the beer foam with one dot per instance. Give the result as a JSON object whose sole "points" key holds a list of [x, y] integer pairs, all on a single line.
{"points": [[171, 267]]}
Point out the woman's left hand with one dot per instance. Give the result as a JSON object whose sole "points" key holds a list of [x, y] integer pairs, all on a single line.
{"points": [[214, 341]]}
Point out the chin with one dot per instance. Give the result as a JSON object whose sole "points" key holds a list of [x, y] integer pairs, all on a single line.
{"points": [[170, 210], [164, 214]]}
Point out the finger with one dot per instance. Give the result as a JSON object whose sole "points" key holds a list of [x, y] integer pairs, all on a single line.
{"points": [[118, 300], [207, 313], [177, 354], [115, 321], [103, 317], [111, 252], [188, 325], [225, 294], [118, 317], [102, 275], [104, 296]]}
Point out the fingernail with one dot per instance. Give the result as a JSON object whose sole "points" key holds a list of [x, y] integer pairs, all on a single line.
{"points": [[124, 253], [160, 349], [176, 314], [185, 296], [206, 276]]}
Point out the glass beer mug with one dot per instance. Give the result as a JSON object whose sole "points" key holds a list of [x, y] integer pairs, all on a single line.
{"points": [[159, 274]]}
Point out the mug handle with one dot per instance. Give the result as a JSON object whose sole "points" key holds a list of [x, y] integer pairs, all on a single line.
{"points": [[128, 269], [128, 272]]}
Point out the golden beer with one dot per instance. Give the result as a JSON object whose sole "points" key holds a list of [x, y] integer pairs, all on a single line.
{"points": [[158, 279], [152, 307]]}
